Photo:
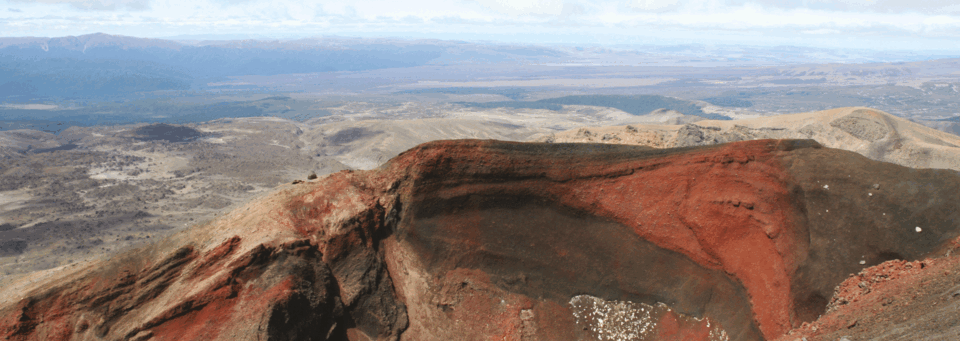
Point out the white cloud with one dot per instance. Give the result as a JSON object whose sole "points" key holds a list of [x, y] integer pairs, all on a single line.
{"points": [[588, 21], [523, 7], [653, 5], [878, 6], [821, 31], [96, 5]]}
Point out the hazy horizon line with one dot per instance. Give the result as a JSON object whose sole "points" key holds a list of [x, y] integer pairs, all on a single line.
{"points": [[624, 46]]}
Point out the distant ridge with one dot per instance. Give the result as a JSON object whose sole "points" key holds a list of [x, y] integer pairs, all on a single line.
{"points": [[869, 132], [111, 65]]}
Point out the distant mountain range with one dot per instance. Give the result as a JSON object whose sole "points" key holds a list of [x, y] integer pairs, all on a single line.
{"points": [[106, 66], [98, 64]]}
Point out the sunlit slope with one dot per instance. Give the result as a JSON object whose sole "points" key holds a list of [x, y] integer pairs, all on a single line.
{"points": [[870, 132]]}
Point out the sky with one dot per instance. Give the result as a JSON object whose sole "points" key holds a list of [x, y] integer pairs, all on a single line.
{"points": [[862, 24]]}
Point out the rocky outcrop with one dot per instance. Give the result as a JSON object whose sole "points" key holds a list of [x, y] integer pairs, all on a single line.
{"points": [[895, 300], [479, 239]]}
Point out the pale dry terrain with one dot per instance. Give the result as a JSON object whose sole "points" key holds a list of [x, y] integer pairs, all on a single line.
{"points": [[872, 133]]}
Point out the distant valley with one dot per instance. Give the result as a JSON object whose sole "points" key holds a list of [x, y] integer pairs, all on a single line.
{"points": [[103, 79]]}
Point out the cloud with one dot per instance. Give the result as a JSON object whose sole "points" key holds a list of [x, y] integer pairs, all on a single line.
{"points": [[875, 6], [14, 10], [821, 31], [97, 5], [654, 5], [523, 7], [837, 22]]}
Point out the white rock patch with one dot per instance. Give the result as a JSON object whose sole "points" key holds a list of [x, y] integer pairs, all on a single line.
{"points": [[606, 320]]}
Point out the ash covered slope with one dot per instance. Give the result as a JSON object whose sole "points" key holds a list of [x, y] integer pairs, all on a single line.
{"points": [[870, 132], [484, 239]]}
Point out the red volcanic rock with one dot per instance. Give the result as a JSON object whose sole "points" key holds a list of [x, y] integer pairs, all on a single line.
{"points": [[895, 300], [474, 240]]}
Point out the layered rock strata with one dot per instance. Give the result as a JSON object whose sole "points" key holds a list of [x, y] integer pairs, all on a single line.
{"points": [[475, 239]]}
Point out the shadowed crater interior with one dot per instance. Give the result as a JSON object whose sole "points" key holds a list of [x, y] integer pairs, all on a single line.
{"points": [[167, 132], [539, 248]]}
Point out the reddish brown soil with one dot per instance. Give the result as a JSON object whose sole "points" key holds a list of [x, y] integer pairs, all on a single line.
{"points": [[724, 207], [895, 300], [490, 240]]}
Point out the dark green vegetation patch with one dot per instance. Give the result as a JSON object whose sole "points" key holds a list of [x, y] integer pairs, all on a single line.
{"points": [[636, 105], [166, 132]]}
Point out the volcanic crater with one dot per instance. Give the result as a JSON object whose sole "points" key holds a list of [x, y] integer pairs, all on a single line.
{"points": [[483, 239]]}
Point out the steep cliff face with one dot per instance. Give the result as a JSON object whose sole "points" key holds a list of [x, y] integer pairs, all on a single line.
{"points": [[490, 240]]}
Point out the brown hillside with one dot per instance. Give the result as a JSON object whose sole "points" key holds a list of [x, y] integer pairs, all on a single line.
{"points": [[869, 132]]}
